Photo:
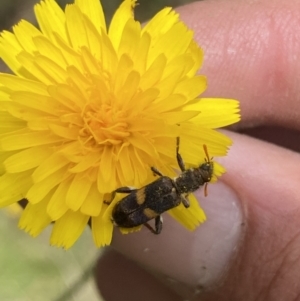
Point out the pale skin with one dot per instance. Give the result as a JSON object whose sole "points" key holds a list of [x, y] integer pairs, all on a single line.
{"points": [[252, 53]]}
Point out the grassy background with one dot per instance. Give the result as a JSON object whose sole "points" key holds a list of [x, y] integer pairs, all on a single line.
{"points": [[31, 270]]}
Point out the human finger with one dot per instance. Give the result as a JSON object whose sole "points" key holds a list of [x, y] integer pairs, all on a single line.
{"points": [[262, 102], [122, 279], [251, 54], [244, 253]]}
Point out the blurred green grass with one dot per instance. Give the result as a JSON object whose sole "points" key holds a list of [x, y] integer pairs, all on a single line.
{"points": [[31, 270]]}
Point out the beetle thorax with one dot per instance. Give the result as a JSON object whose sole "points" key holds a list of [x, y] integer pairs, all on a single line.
{"points": [[188, 181]]}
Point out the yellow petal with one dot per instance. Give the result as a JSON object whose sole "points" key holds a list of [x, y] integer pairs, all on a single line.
{"points": [[102, 226], [65, 131], [142, 143], [218, 169], [178, 117], [93, 203], [57, 206], [76, 30], [29, 221], [130, 38], [9, 49], [161, 22], [25, 32], [78, 191], [28, 63], [3, 157], [68, 229], [68, 97], [36, 101], [23, 139], [189, 217], [109, 57], [102, 231], [141, 54], [169, 81], [9, 123], [119, 19], [191, 87], [21, 84], [46, 48], [49, 166], [27, 159], [107, 165], [215, 112], [126, 164], [154, 72], [169, 103], [90, 58], [86, 162], [125, 66], [94, 12], [53, 71], [169, 41], [39, 190], [51, 19], [12, 187], [197, 54]]}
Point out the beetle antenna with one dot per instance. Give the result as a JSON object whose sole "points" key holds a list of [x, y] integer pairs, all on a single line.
{"points": [[177, 144]]}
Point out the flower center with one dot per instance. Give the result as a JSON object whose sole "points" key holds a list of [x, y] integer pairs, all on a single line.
{"points": [[102, 124]]}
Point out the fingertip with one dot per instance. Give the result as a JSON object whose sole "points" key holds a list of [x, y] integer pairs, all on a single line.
{"points": [[250, 50], [259, 169], [190, 261]]}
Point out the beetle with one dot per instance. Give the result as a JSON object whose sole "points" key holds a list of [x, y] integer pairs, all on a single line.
{"points": [[149, 202]]}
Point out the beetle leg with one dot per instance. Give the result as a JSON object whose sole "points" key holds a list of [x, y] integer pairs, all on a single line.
{"points": [[185, 201], [150, 228], [158, 225], [156, 171], [178, 156], [183, 198], [124, 189]]}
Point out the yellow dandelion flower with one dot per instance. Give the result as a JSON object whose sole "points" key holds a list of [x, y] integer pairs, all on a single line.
{"points": [[90, 109]]}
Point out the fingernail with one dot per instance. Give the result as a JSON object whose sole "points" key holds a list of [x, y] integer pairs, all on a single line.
{"points": [[191, 261]]}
